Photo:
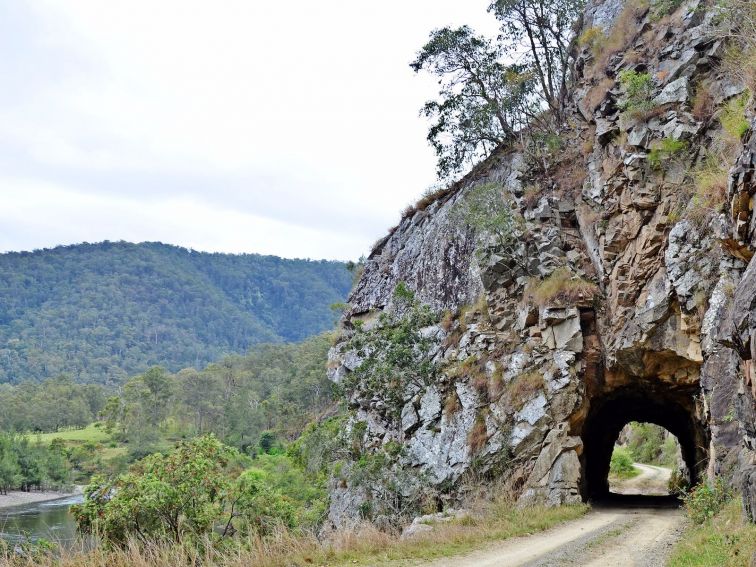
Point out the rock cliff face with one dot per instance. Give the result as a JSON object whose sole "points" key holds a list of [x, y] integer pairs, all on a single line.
{"points": [[626, 294]]}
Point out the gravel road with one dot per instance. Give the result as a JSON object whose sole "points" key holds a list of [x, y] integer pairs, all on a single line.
{"points": [[626, 531]]}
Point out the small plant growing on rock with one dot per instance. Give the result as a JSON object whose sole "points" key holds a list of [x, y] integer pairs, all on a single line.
{"points": [[733, 117], [736, 20], [597, 94], [447, 321], [710, 178], [664, 150], [623, 31], [661, 8], [451, 403], [474, 369], [497, 384], [703, 103], [638, 88], [531, 196]]}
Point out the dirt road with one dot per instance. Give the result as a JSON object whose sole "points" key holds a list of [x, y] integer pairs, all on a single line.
{"points": [[628, 531], [641, 537], [652, 480]]}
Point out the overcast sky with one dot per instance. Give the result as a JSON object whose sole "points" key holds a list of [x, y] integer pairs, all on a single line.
{"points": [[286, 128]]}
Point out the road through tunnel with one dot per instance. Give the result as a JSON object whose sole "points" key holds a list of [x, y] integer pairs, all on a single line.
{"points": [[674, 409]]}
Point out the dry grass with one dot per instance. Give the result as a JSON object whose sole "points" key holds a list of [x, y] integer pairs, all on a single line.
{"points": [[497, 384], [431, 197], [531, 196], [428, 198], [710, 178], [478, 436], [451, 403], [594, 39], [587, 147], [740, 62], [623, 31], [480, 307], [597, 93], [703, 103], [447, 321], [524, 387], [490, 521], [661, 76], [569, 174], [561, 288], [474, 369]]}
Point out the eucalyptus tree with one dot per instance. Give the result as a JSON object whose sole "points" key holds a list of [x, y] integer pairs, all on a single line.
{"points": [[539, 34], [482, 101]]}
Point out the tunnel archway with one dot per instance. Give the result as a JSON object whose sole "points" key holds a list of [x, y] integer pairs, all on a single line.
{"points": [[674, 410]]}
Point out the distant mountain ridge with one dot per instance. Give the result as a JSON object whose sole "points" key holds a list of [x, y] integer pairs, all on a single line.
{"points": [[101, 312]]}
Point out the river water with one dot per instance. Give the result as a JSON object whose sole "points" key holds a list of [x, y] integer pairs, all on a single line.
{"points": [[49, 520]]}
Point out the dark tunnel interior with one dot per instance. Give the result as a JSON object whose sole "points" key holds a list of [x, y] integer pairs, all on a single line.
{"points": [[673, 410]]}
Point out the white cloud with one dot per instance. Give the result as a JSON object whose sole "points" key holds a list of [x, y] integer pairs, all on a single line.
{"points": [[286, 128]]}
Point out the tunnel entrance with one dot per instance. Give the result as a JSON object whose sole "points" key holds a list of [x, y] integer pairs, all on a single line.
{"points": [[674, 408]]}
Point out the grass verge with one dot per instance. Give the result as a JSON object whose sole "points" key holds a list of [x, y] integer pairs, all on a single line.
{"points": [[367, 546], [725, 540]]}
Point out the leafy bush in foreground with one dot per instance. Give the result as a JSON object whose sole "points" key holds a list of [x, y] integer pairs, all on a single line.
{"points": [[706, 500], [194, 494]]}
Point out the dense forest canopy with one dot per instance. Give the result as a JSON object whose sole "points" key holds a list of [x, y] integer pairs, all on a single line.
{"points": [[102, 312]]}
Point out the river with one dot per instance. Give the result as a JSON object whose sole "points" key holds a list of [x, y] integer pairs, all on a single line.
{"points": [[48, 520]]}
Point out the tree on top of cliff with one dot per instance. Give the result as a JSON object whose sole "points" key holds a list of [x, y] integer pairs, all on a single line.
{"points": [[489, 89], [481, 99], [539, 33]]}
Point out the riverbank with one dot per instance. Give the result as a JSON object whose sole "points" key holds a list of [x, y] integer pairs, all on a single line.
{"points": [[20, 498]]}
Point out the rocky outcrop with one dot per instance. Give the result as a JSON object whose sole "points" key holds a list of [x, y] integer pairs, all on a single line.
{"points": [[735, 378], [622, 297]]}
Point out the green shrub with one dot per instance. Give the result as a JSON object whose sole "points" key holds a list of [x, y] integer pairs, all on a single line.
{"points": [[664, 150], [321, 447], [395, 352], [733, 117], [706, 500], [403, 293], [638, 88], [669, 452], [727, 540], [621, 464], [283, 492], [180, 496], [662, 8]]}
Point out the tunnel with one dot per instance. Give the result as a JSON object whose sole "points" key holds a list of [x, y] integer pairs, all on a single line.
{"points": [[674, 409]]}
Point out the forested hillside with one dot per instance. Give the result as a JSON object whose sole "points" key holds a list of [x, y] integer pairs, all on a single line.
{"points": [[102, 312]]}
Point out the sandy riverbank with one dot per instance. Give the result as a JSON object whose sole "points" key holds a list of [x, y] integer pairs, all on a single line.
{"points": [[19, 498]]}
